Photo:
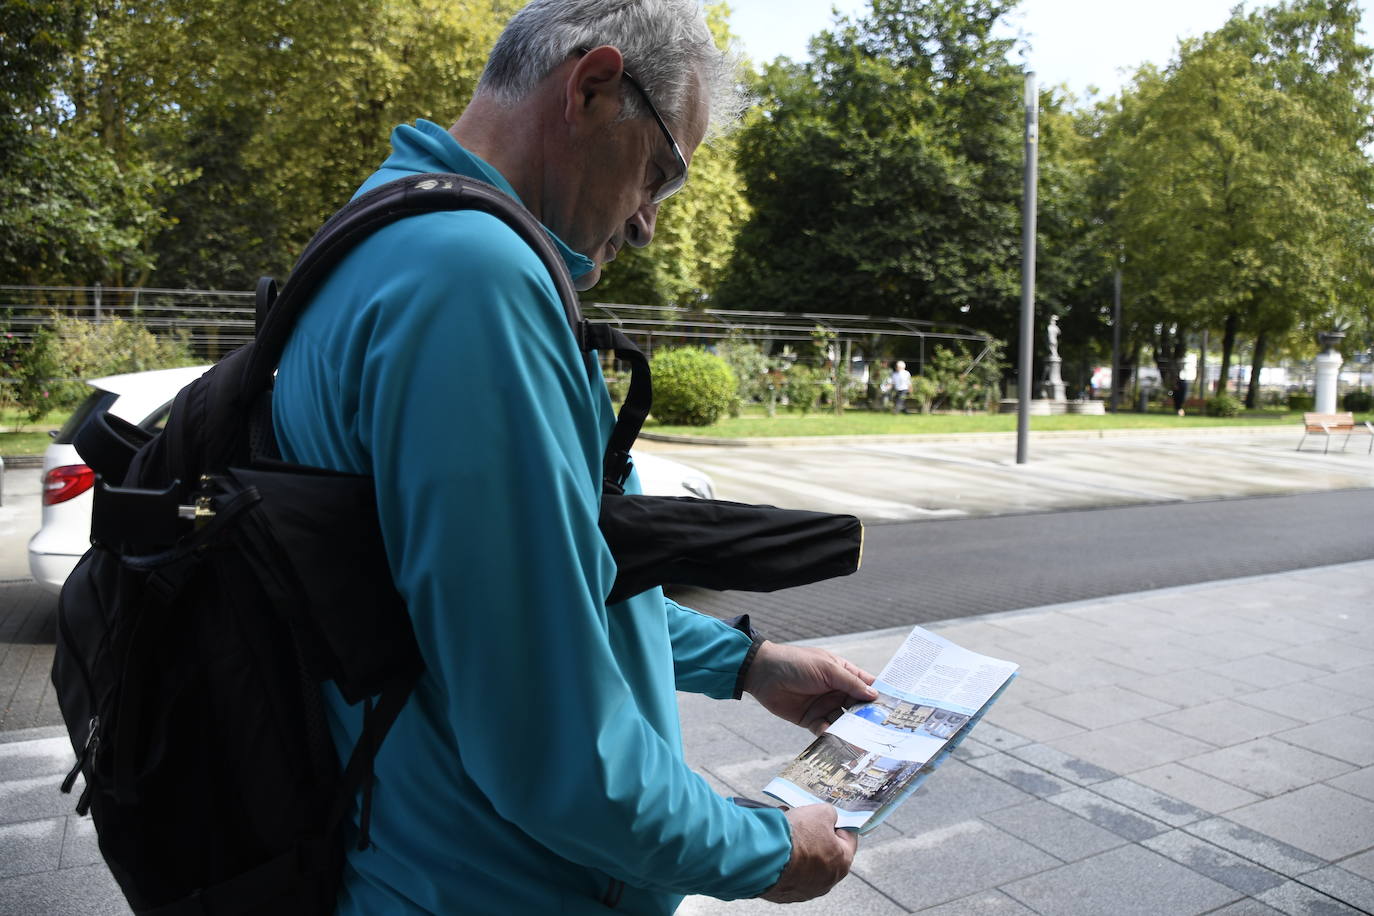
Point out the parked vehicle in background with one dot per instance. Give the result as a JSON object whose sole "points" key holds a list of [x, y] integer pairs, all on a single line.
{"points": [[145, 399]]}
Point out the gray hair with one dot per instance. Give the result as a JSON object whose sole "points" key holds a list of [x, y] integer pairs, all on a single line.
{"points": [[662, 41]]}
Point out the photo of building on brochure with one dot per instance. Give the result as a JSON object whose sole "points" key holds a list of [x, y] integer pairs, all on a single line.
{"points": [[869, 755]]}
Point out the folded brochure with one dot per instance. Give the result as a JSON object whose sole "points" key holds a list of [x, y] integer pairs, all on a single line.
{"points": [[930, 696]]}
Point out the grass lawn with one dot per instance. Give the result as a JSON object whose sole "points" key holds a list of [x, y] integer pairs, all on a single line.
{"points": [[756, 424], [20, 437]]}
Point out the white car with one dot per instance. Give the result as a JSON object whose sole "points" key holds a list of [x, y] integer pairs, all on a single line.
{"points": [[145, 398]]}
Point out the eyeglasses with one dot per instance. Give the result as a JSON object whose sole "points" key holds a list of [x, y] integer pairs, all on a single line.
{"points": [[671, 183]]}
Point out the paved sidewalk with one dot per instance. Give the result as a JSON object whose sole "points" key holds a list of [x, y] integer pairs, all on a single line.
{"points": [[1204, 749]]}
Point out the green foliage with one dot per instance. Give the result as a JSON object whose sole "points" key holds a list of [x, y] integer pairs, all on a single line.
{"points": [[924, 390], [617, 385], [85, 349], [884, 174], [1223, 405], [1301, 401], [804, 387], [29, 369], [1358, 401], [963, 381], [691, 387], [750, 366]]}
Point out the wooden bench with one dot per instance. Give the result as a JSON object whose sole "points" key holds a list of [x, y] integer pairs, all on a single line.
{"points": [[1334, 424]]}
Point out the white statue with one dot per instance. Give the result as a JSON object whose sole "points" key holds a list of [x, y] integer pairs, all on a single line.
{"points": [[1053, 332]]}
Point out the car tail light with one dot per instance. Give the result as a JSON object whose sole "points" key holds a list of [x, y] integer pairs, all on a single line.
{"points": [[61, 484]]}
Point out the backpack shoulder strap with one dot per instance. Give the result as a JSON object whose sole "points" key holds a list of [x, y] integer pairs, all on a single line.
{"points": [[410, 196]]}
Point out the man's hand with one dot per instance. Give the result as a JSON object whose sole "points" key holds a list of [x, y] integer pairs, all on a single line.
{"points": [[806, 686], [821, 855]]}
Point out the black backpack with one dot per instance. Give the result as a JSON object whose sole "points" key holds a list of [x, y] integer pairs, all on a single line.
{"points": [[224, 586]]}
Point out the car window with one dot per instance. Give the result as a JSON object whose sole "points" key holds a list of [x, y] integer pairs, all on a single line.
{"points": [[154, 422], [95, 402]]}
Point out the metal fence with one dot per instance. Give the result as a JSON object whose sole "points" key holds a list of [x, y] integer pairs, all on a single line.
{"points": [[215, 321]]}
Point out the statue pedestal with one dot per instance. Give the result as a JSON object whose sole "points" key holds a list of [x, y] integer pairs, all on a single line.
{"points": [[1055, 385], [1328, 372]]}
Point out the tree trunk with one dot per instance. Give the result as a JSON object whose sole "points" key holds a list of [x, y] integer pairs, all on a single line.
{"points": [[1228, 343], [1252, 394]]}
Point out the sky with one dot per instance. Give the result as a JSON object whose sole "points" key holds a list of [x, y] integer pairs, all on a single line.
{"points": [[1080, 43]]}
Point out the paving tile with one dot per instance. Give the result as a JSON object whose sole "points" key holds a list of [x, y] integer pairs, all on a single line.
{"points": [[1194, 788], [1267, 766], [1028, 722], [1300, 900], [1149, 801], [1298, 701], [714, 743], [748, 778], [1054, 761], [1317, 819], [1344, 885], [1255, 846], [79, 845], [852, 895], [1103, 706], [1024, 776], [998, 738], [1166, 656], [968, 858], [1360, 682], [1197, 688], [1126, 881], [31, 846], [1130, 746], [1216, 863], [988, 903], [1266, 671], [1234, 644], [1346, 738], [972, 747], [1062, 834], [36, 798], [38, 757], [953, 793], [1334, 655], [1362, 864], [1026, 689], [1246, 908], [1083, 674], [1108, 814], [86, 891], [1225, 722]]}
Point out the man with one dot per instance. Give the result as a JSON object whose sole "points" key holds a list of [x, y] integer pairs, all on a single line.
{"points": [[538, 766], [899, 382]]}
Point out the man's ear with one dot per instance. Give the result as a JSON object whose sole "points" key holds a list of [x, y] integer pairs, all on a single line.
{"points": [[592, 90]]}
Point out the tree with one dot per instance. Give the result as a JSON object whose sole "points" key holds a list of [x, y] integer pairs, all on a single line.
{"points": [[884, 175], [696, 229], [1245, 195]]}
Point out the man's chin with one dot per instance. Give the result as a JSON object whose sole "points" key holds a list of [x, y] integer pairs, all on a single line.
{"points": [[584, 282]]}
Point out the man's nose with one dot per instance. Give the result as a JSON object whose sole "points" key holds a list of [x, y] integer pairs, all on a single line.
{"points": [[639, 228]]}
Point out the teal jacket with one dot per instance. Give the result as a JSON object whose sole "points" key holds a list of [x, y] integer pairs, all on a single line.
{"points": [[538, 767]]}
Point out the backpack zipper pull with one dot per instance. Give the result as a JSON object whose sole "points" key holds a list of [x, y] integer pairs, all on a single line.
{"points": [[87, 751]]}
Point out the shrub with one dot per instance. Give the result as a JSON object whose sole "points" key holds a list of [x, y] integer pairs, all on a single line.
{"points": [[617, 385], [691, 387], [1223, 405], [1358, 401], [86, 349], [1300, 400], [750, 366], [805, 385], [923, 392]]}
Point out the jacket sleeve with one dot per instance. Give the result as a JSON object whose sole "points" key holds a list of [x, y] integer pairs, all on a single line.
{"points": [[708, 654], [477, 410]]}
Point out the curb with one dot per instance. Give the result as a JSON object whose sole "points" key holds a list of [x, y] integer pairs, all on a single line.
{"points": [[785, 441], [14, 462]]}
